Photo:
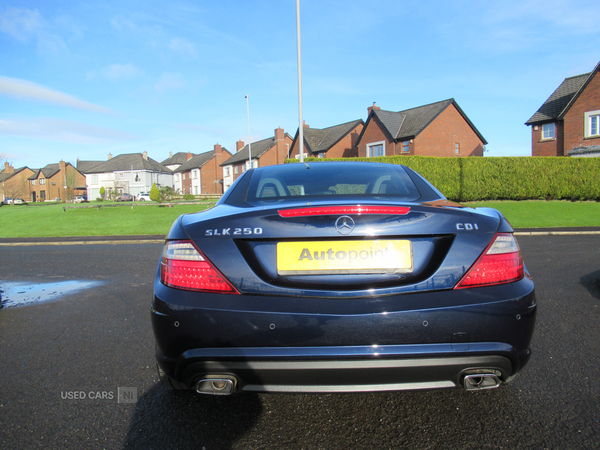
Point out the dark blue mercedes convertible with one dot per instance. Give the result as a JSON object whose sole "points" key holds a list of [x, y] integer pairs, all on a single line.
{"points": [[340, 277]]}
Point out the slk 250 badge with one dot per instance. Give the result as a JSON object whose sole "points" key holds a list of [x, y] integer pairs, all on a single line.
{"points": [[233, 231]]}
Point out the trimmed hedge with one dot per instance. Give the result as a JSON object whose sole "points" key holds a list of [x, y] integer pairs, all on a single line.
{"points": [[507, 178]]}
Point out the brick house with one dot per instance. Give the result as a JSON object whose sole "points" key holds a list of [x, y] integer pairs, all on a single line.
{"points": [[268, 152], [202, 174], [14, 183], [130, 173], [568, 123], [56, 181], [437, 129], [338, 141]]}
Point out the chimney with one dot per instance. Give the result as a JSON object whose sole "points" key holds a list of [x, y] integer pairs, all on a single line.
{"points": [[374, 107], [279, 134], [170, 154], [304, 124], [145, 155], [219, 157], [188, 156], [110, 156], [239, 145]]}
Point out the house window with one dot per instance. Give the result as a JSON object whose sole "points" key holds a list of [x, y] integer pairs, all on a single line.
{"points": [[226, 171], [592, 124], [457, 148], [94, 179], [33, 182], [405, 147], [235, 170], [42, 181], [321, 155], [376, 149], [548, 131]]}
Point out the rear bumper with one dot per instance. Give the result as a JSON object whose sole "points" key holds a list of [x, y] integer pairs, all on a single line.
{"points": [[342, 369], [285, 344]]}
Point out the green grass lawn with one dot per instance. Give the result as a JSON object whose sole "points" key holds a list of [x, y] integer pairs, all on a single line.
{"points": [[49, 220], [546, 214]]}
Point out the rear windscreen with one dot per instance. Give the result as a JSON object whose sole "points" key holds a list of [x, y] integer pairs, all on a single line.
{"points": [[329, 181]]}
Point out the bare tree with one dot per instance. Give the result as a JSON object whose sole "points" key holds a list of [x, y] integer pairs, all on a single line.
{"points": [[17, 189], [70, 182]]}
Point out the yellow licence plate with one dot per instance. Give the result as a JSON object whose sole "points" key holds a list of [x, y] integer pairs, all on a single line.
{"points": [[339, 257]]}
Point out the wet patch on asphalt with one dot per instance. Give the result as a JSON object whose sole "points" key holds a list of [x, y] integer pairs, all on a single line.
{"points": [[22, 293]]}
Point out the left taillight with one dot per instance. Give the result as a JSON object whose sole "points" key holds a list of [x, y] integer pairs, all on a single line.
{"points": [[500, 263], [183, 266]]}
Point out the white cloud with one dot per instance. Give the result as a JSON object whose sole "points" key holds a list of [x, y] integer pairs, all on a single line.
{"points": [[120, 22], [15, 87], [183, 47], [171, 82], [21, 24], [62, 131], [25, 25], [120, 72]]}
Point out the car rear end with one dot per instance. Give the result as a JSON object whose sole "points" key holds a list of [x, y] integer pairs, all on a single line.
{"points": [[340, 277]]}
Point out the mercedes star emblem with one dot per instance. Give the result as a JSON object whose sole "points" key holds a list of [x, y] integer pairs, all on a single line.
{"points": [[344, 225]]}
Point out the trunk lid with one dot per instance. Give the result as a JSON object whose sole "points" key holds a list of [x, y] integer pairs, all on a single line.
{"points": [[333, 254]]}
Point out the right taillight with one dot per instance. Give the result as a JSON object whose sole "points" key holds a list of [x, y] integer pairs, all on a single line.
{"points": [[500, 263], [183, 266]]}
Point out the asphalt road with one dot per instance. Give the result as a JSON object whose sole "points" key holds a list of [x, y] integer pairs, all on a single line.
{"points": [[77, 370]]}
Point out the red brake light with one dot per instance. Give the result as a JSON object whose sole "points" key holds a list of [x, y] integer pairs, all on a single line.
{"points": [[500, 263], [185, 267], [336, 210]]}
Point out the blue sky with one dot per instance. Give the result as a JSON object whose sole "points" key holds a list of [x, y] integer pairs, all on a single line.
{"points": [[84, 79]]}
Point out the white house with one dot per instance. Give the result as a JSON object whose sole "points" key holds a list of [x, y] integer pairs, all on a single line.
{"points": [[131, 173]]}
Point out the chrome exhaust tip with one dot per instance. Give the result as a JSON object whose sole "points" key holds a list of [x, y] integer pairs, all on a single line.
{"points": [[479, 381], [218, 385]]}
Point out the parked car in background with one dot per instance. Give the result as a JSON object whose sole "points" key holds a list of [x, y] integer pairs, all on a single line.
{"points": [[143, 197], [125, 198], [18, 201], [340, 277], [7, 201], [80, 199]]}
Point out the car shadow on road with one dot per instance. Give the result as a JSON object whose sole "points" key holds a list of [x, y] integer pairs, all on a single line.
{"points": [[166, 419], [591, 282]]}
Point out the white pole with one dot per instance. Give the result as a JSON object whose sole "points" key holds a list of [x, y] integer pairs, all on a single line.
{"points": [[300, 121], [249, 146]]}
